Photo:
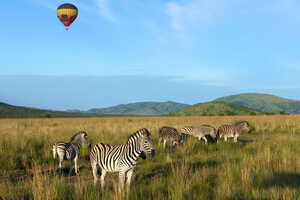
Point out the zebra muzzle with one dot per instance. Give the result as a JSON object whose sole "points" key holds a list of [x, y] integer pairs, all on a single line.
{"points": [[143, 155]]}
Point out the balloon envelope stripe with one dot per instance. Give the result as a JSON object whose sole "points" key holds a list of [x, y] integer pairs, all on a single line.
{"points": [[67, 5], [67, 12]]}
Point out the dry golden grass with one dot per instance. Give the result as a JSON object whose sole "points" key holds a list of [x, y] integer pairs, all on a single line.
{"points": [[262, 165]]}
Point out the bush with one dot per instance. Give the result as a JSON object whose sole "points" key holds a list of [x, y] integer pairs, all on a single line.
{"points": [[282, 112]]}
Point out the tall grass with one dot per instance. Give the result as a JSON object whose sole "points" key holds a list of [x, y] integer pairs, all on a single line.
{"points": [[262, 165]]}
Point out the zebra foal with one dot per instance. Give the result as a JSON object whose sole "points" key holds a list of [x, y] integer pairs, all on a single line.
{"points": [[121, 158], [200, 132], [69, 151], [232, 131], [166, 133]]}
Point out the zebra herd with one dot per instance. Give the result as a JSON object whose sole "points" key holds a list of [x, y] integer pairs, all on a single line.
{"points": [[123, 158]]}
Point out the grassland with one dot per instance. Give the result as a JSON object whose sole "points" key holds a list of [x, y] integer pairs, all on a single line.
{"points": [[262, 165]]}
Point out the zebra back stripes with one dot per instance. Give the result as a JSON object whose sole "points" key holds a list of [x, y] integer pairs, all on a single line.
{"points": [[229, 131], [120, 158], [166, 133], [200, 131]]}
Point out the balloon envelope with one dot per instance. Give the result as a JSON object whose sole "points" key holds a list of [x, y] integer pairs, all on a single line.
{"points": [[67, 13]]}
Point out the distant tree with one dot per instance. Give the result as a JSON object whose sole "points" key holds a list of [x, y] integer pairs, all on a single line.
{"points": [[230, 113], [270, 113], [252, 113], [204, 114], [282, 112], [46, 115]]}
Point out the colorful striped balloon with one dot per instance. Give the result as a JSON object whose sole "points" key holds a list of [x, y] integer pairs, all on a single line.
{"points": [[67, 13]]}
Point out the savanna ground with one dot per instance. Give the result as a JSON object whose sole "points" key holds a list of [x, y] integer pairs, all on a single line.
{"points": [[264, 164]]}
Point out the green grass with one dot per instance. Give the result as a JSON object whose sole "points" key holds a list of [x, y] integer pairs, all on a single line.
{"points": [[262, 165]]}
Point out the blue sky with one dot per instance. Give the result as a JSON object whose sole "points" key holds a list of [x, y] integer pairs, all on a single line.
{"points": [[124, 51]]}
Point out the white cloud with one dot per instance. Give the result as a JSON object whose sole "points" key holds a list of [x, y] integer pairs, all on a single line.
{"points": [[192, 13]]}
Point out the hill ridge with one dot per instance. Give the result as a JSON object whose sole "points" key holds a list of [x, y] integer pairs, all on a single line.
{"points": [[263, 102], [215, 108], [141, 108]]}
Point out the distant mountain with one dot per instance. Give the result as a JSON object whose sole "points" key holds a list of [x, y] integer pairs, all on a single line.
{"points": [[74, 111], [9, 111], [215, 108], [263, 102], [140, 108]]}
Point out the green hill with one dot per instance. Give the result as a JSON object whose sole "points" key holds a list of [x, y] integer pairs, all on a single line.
{"points": [[140, 108], [9, 111], [263, 102], [215, 108]]}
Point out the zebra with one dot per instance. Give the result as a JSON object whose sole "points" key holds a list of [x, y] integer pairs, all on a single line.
{"points": [[229, 131], [121, 158], [166, 133], [199, 132], [70, 151]]}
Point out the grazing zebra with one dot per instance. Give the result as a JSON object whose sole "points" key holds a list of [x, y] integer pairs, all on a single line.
{"points": [[229, 131], [69, 151], [166, 133], [199, 132], [121, 158]]}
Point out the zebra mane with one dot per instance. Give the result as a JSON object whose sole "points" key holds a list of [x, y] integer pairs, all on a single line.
{"points": [[138, 133], [79, 133]]}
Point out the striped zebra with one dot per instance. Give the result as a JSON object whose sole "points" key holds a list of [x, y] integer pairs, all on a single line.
{"points": [[232, 131], [69, 151], [199, 132], [121, 158], [166, 133]]}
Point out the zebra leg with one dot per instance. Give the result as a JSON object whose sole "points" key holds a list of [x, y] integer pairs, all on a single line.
{"points": [[235, 138], [121, 180], [205, 140], [94, 170], [128, 180], [159, 141], [76, 166], [102, 177], [225, 139], [165, 141], [54, 166], [71, 167], [60, 165]]}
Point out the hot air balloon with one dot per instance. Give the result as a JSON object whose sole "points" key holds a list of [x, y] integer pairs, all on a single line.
{"points": [[67, 13]]}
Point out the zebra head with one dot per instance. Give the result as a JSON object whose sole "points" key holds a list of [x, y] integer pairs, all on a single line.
{"points": [[81, 138], [245, 126], [146, 143]]}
